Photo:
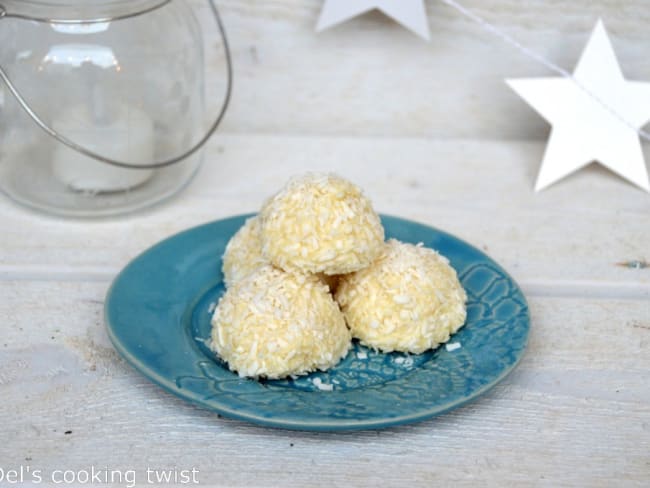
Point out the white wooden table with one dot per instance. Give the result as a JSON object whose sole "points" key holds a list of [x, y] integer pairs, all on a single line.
{"points": [[576, 412]]}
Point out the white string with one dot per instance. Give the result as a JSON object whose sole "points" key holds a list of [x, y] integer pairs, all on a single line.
{"points": [[541, 60]]}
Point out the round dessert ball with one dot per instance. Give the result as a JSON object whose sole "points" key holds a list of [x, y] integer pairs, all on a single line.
{"points": [[275, 324], [409, 300], [321, 224], [243, 253]]}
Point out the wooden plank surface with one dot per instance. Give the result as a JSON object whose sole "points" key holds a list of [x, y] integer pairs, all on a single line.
{"points": [[431, 132], [576, 411], [554, 241], [370, 76]]}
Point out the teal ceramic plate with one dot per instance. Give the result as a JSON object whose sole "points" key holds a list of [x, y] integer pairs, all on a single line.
{"points": [[158, 314]]}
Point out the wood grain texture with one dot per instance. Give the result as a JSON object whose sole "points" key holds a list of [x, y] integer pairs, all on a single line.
{"points": [[432, 133], [370, 76], [556, 242], [575, 413]]}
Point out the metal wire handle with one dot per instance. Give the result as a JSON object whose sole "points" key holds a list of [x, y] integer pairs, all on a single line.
{"points": [[91, 154]]}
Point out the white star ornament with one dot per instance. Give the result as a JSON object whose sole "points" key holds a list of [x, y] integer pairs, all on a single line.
{"points": [[595, 118], [410, 13]]}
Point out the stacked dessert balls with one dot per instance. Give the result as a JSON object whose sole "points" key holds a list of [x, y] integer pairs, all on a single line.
{"points": [[312, 271]]}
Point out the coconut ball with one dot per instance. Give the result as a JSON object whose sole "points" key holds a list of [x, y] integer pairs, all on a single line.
{"points": [[243, 253], [321, 224], [409, 300], [275, 324]]}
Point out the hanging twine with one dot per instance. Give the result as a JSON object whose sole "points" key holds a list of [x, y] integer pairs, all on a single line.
{"points": [[535, 56]]}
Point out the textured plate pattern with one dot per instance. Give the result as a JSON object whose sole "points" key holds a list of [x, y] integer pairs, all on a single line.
{"points": [[158, 316]]}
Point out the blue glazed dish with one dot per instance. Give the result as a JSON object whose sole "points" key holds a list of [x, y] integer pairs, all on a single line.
{"points": [[158, 313]]}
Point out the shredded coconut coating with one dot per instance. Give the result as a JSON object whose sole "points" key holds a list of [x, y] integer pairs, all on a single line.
{"points": [[321, 224], [243, 253], [409, 300], [275, 324]]}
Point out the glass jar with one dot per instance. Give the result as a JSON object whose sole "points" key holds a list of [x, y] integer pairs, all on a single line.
{"points": [[103, 106]]}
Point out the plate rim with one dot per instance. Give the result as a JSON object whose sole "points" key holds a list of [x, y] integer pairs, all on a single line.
{"points": [[322, 425]]}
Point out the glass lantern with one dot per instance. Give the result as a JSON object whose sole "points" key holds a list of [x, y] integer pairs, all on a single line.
{"points": [[102, 109]]}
